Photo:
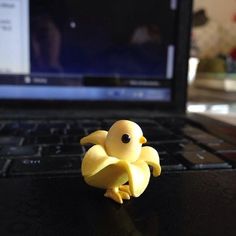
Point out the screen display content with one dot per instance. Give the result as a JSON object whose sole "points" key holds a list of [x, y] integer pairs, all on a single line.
{"points": [[87, 50]]}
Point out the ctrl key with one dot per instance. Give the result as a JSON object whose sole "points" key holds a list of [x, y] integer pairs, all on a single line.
{"points": [[46, 166]]}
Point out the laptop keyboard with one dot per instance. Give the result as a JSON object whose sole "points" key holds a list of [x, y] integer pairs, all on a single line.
{"points": [[37, 147]]}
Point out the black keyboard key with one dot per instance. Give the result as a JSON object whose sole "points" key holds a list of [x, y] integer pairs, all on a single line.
{"points": [[10, 140], [231, 157], [16, 128], [172, 121], [58, 131], [44, 166], [91, 130], [19, 151], [202, 137], [160, 135], [57, 125], [44, 126], [41, 131], [75, 131], [168, 138], [222, 147], [159, 147], [51, 128], [181, 147], [202, 160], [62, 150], [169, 163], [88, 123], [71, 139], [155, 131], [190, 130], [43, 140], [209, 139], [38, 132]]}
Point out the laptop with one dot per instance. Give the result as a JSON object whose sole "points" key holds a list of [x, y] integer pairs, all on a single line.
{"points": [[68, 68]]}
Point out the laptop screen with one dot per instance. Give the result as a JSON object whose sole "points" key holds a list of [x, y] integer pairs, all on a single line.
{"points": [[87, 50]]}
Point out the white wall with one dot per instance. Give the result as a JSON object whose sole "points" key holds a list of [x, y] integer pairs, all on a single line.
{"points": [[218, 10]]}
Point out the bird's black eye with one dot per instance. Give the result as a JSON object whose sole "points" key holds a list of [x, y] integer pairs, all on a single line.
{"points": [[125, 138]]}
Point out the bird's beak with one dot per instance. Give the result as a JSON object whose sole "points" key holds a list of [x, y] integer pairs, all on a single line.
{"points": [[143, 140]]}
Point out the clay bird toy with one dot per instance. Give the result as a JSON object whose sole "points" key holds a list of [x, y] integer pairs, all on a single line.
{"points": [[117, 161]]}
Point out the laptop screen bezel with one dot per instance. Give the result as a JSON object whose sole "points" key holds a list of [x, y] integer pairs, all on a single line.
{"points": [[179, 85]]}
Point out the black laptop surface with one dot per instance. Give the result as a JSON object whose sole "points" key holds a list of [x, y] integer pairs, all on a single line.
{"points": [[68, 68]]}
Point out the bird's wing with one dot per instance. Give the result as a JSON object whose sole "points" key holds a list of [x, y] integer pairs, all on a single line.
{"points": [[139, 172], [95, 160], [151, 157], [138, 175], [97, 137]]}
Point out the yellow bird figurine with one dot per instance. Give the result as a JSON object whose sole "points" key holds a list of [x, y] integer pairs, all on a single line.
{"points": [[117, 162]]}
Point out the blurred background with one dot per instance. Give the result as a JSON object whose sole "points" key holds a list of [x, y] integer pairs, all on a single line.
{"points": [[212, 66]]}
